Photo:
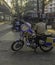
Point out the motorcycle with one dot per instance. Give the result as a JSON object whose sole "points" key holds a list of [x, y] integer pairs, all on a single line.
{"points": [[28, 37], [16, 26]]}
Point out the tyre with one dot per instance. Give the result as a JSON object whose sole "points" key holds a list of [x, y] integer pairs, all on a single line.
{"points": [[17, 45], [46, 48]]}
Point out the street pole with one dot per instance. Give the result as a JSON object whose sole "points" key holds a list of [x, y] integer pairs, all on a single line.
{"points": [[21, 9], [38, 9], [43, 6]]}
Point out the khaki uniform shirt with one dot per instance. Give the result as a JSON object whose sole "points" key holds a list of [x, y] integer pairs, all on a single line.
{"points": [[40, 28]]}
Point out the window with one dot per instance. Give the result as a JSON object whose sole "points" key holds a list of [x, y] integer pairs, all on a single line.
{"points": [[53, 9], [50, 9], [50, 4]]}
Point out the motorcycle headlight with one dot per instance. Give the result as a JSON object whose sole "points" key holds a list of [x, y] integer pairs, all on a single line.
{"points": [[24, 27]]}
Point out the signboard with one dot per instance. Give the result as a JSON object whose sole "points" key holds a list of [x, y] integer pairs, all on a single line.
{"points": [[51, 15]]}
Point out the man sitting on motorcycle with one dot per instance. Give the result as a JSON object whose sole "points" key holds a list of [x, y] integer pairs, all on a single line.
{"points": [[40, 29]]}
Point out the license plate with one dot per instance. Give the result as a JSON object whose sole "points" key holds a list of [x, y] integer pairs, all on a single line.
{"points": [[49, 40]]}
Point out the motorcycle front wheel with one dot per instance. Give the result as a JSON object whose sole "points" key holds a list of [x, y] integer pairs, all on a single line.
{"points": [[17, 45]]}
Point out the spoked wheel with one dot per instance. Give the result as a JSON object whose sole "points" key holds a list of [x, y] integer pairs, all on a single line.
{"points": [[17, 45], [46, 48]]}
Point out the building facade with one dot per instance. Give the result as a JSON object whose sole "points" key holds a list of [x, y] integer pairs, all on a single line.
{"points": [[50, 11], [5, 11], [50, 8]]}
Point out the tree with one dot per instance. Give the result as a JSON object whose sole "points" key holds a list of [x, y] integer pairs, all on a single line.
{"points": [[30, 5]]}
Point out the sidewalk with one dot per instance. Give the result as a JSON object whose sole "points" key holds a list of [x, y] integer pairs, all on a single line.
{"points": [[1, 23], [4, 26], [4, 22]]}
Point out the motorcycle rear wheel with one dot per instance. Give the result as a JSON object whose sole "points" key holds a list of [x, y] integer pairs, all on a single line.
{"points": [[46, 48]]}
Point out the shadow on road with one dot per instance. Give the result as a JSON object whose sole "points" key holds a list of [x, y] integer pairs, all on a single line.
{"points": [[31, 53]]}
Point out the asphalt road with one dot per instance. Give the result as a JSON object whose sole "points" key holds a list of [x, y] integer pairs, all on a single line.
{"points": [[26, 56]]}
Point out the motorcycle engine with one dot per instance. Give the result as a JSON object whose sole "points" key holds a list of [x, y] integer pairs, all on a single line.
{"points": [[32, 42]]}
